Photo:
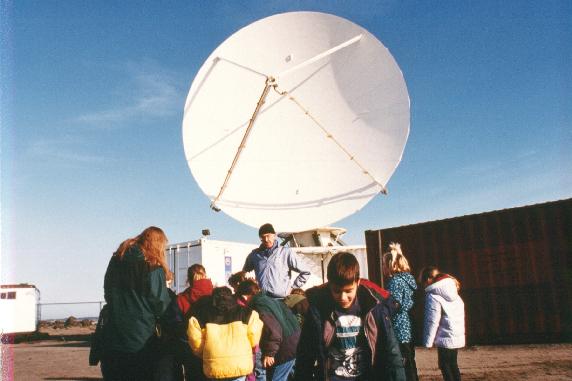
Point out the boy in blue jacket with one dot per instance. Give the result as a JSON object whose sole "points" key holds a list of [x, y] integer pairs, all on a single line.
{"points": [[347, 331]]}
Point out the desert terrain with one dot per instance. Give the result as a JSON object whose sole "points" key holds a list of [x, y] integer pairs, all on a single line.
{"points": [[62, 354]]}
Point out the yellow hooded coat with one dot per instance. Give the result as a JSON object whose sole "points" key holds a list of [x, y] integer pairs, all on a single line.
{"points": [[226, 349]]}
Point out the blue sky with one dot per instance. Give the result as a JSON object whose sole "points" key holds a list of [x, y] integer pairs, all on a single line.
{"points": [[92, 103]]}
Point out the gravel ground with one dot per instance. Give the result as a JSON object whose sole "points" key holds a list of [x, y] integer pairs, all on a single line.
{"points": [[63, 355]]}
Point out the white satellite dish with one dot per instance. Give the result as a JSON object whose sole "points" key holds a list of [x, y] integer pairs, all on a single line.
{"points": [[299, 119]]}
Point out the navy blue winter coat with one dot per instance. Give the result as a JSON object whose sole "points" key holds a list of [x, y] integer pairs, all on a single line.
{"points": [[319, 330]]}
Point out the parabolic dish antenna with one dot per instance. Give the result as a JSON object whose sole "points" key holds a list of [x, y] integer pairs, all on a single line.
{"points": [[298, 119]]}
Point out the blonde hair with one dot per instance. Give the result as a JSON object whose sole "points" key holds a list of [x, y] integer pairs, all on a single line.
{"points": [[151, 242], [394, 261]]}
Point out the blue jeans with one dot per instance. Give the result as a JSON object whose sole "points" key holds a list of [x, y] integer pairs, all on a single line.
{"points": [[259, 370], [282, 371]]}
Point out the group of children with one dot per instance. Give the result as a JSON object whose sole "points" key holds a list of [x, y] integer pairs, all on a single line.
{"points": [[348, 329], [230, 334], [444, 315], [353, 330]]}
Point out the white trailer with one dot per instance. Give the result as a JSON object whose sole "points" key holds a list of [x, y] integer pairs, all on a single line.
{"points": [[222, 258], [19, 309]]}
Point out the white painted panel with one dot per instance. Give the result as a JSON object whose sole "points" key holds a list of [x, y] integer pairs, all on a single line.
{"points": [[18, 314], [211, 254]]}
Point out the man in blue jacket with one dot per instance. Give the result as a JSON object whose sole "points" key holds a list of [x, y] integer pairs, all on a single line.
{"points": [[273, 265]]}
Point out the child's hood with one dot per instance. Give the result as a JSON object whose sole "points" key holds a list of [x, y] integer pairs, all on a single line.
{"points": [[446, 288], [408, 279], [293, 299], [133, 254]]}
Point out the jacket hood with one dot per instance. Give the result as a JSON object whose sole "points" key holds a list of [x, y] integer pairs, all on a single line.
{"points": [[293, 299], [445, 288], [133, 254], [224, 303], [131, 271], [379, 293], [201, 287], [264, 304], [407, 278]]}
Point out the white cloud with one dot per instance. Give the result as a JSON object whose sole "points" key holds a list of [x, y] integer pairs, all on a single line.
{"points": [[149, 93], [64, 149]]}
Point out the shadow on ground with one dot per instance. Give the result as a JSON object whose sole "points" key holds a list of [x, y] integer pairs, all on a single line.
{"points": [[42, 336], [66, 344], [74, 378]]}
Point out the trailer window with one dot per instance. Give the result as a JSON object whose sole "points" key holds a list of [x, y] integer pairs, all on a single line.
{"points": [[3, 295], [12, 295]]}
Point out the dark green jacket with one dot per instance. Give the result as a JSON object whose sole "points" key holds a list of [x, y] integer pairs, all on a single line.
{"points": [[137, 295]]}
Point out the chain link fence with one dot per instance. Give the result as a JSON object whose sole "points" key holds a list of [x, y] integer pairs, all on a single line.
{"points": [[62, 311]]}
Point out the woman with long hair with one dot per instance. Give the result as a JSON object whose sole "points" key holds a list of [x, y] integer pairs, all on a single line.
{"points": [[135, 290], [402, 286]]}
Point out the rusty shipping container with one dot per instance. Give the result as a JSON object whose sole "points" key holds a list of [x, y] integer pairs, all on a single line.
{"points": [[515, 267]]}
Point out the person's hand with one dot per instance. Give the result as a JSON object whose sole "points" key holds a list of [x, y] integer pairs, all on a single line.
{"points": [[267, 361]]}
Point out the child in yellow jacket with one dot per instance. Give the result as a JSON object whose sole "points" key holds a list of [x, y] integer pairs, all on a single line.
{"points": [[222, 334]]}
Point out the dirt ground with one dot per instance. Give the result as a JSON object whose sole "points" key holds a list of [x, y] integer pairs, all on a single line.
{"points": [[62, 354]]}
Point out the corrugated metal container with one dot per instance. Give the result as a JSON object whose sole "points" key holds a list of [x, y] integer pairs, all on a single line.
{"points": [[515, 267]]}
